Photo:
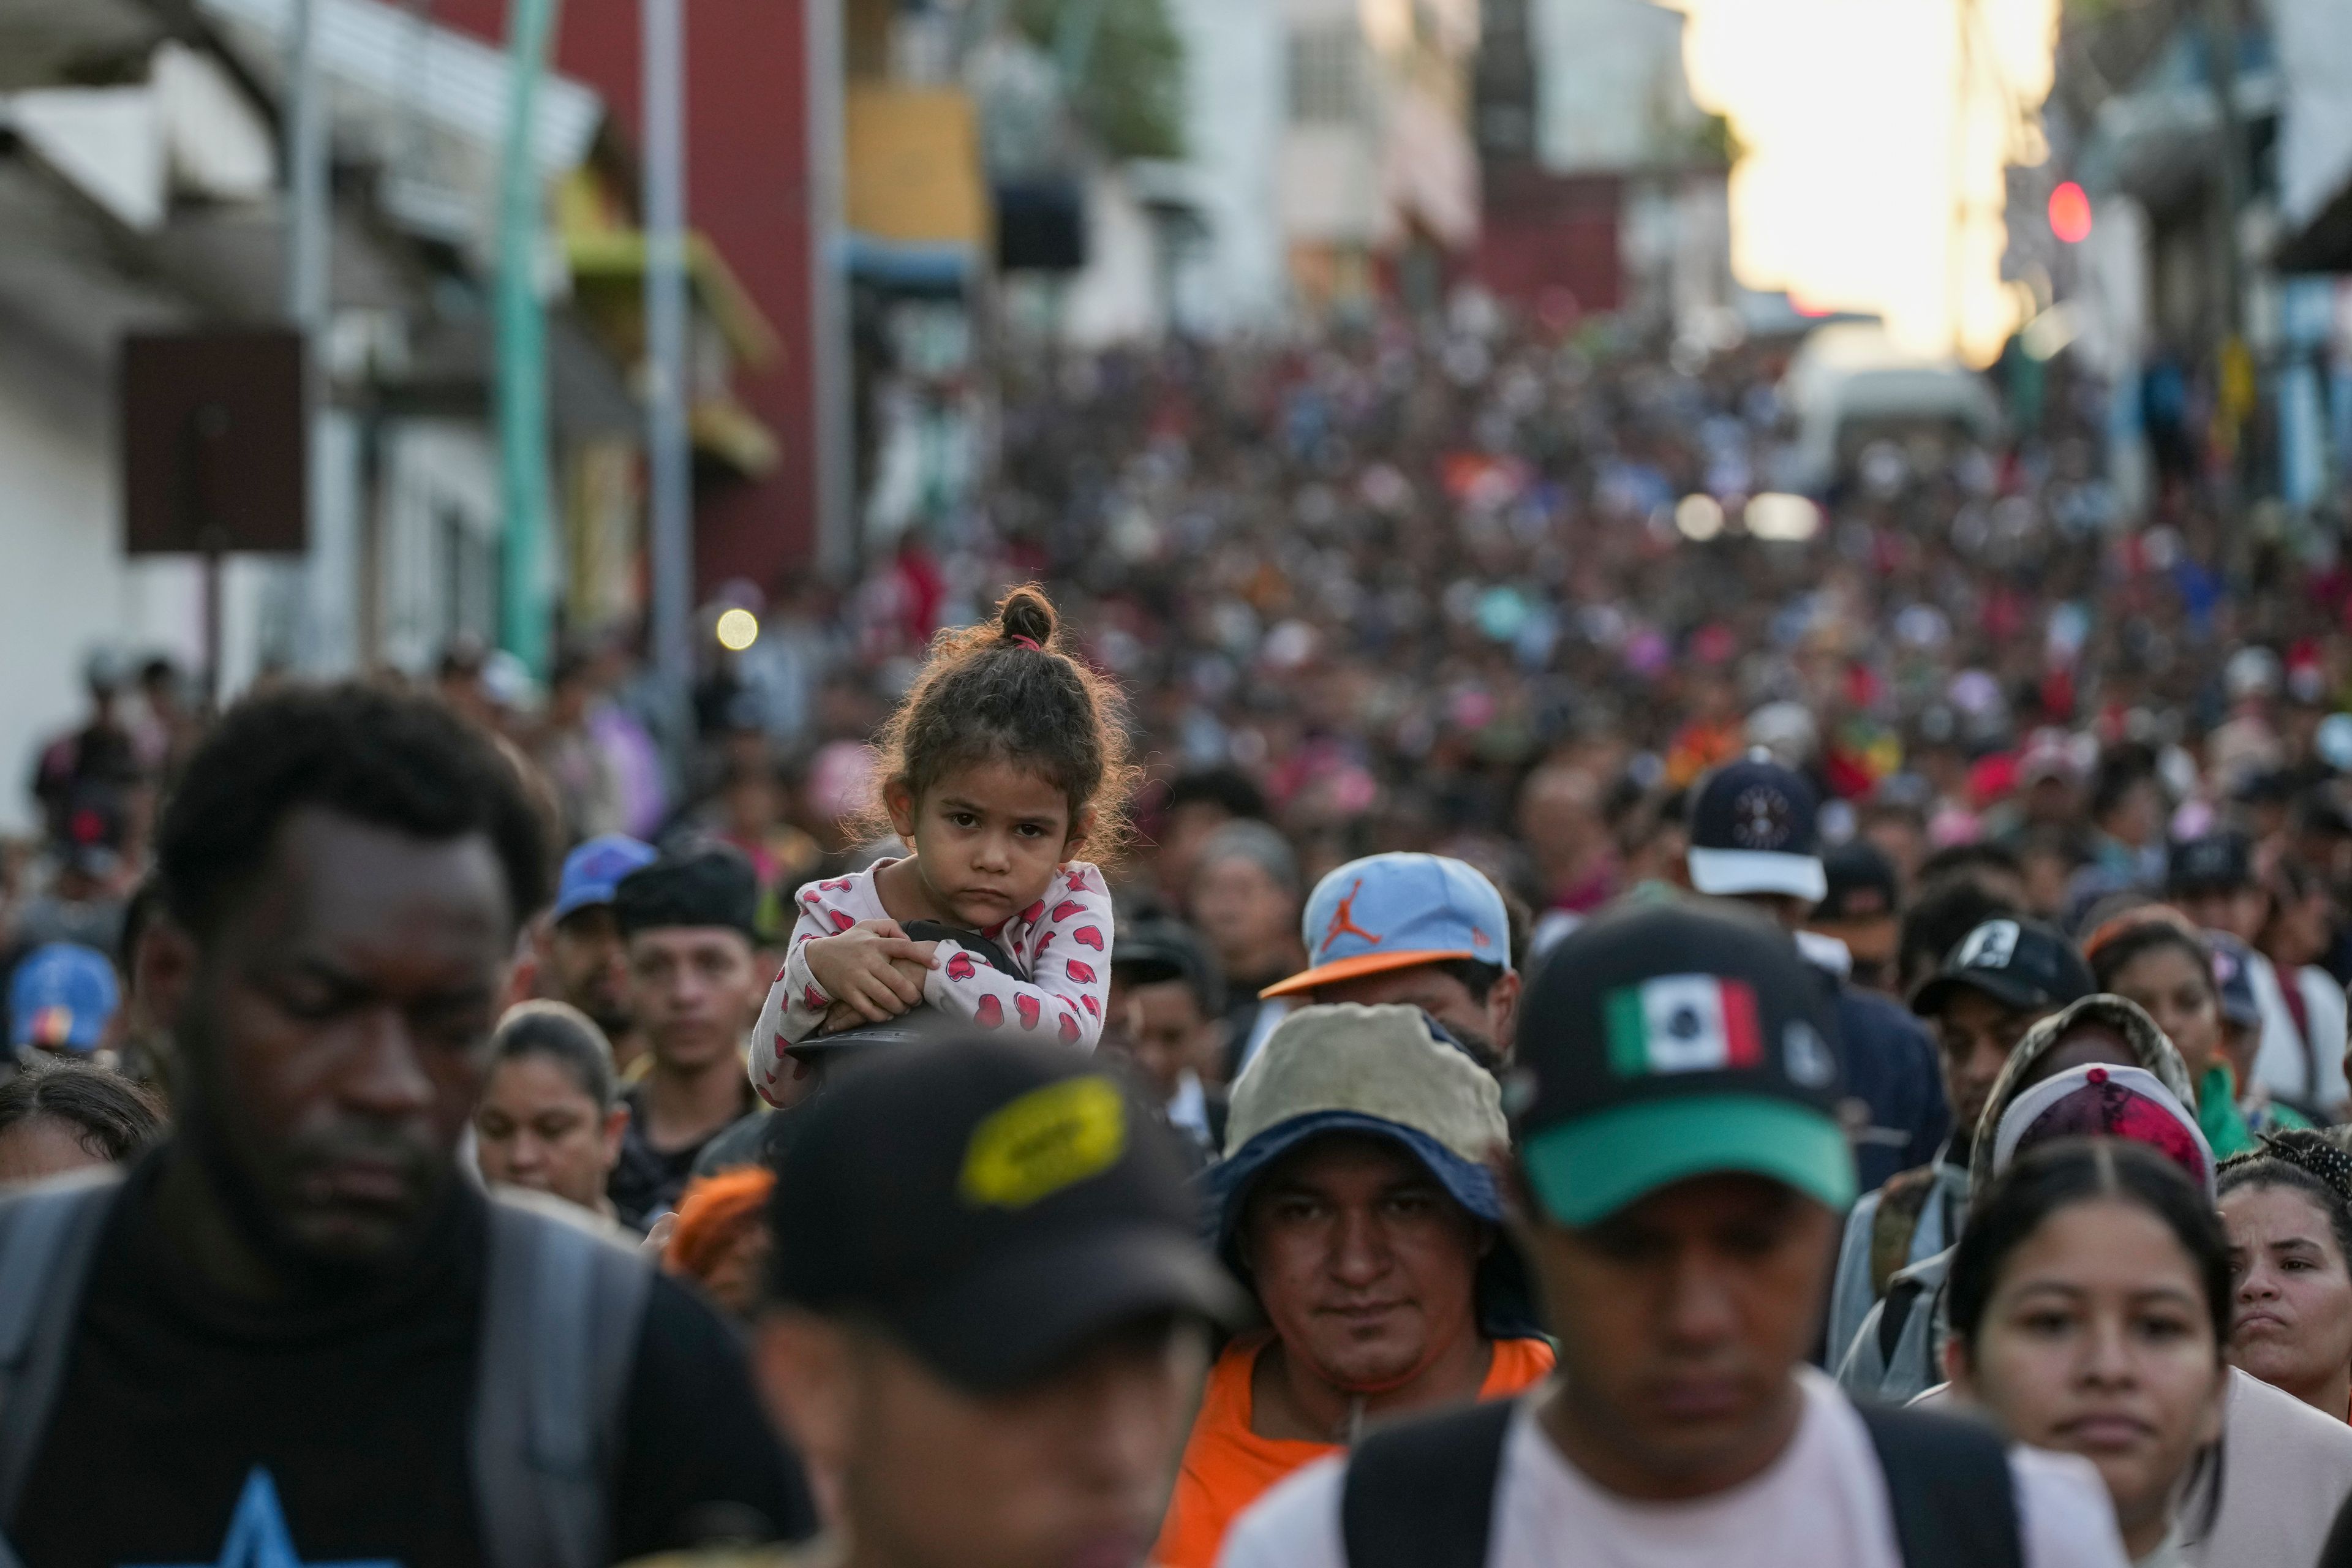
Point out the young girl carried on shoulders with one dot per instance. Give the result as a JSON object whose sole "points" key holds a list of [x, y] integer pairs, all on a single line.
{"points": [[1006, 757]]}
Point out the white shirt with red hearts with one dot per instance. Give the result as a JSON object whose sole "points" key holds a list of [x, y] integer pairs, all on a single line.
{"points": [[1061, 941]]}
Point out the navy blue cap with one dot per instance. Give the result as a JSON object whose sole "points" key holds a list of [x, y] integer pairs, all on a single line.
{"points": [[2218, 862], [2233, 976], [1755, 828]]}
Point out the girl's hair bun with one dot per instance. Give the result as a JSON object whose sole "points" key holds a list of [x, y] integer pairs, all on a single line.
{"points": [[1026, 613]]}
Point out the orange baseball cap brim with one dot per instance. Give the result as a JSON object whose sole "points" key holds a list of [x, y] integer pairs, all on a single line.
{"points": [[1355, 968]]}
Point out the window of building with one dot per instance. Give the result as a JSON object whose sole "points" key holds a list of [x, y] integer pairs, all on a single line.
{"points": [[1325, 73]]}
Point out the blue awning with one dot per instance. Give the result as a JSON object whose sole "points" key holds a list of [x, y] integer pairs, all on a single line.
{"points": [[914, 268]]}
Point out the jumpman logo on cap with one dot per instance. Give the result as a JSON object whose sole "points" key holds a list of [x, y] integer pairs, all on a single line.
{"points": [[1343, 920]]}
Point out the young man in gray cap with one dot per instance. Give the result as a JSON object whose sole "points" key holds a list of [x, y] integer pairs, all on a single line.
{"points": [[696, 985], [1680, 1171], [987, 1306]]}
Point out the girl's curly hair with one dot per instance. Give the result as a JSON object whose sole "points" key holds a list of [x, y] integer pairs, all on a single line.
{"points": [[1010, 690]]}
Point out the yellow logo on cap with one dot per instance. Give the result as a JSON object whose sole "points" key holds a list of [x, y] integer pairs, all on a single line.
{"points": [[1049, 1139]]}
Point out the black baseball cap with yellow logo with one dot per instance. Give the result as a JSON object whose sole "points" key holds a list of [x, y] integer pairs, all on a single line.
{"points": [[993, 1205]]}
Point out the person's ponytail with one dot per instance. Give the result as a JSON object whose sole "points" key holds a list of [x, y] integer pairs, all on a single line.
{"points": [[1026, 617]]}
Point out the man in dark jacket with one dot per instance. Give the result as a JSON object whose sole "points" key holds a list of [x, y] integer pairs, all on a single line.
{"points": [[1755, 838], [280, 1338]]}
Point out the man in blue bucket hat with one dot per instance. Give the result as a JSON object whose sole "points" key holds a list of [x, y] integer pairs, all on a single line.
{"points": [[1419, 931], [1356, 1202]]}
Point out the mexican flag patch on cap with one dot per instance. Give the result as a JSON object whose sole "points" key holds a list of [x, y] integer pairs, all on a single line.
{"points": [[1682, 1023]]}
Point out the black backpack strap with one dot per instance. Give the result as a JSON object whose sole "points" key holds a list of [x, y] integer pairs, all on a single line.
{"points": [[48, 1236], [1893, 1313], [560, 1324], [1950, 1488], [1421, 1495]]}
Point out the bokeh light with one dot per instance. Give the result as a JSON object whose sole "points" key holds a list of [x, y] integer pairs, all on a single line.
{"points": [[1779, 516], [2070, 214], [738, 629], [1698, 516]]}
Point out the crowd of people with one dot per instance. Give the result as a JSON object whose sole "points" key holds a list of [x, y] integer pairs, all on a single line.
{"points": [[1442, 993]]}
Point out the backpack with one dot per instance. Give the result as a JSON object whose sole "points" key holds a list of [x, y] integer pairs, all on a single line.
{"points": [[1421, 1495], [560, 1317], [1900, 1202]]}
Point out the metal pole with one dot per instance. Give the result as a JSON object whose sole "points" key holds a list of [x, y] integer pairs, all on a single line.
{"points": [[670, 503], [310, 212], [307, 205], [523, 346], [830, 373], [2222, 51], [2234, 369]]}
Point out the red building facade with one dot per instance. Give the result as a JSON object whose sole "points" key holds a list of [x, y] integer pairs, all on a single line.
{"points": [[748, 189]]}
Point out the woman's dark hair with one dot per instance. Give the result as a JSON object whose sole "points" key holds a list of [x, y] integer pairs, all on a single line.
{"points": [[2121, 769], [2128, 938], [564, 1036], [1012, 693], [2306, 1162], [391, 759], [112, 1117], [1968, 859], [2072, 1171]]}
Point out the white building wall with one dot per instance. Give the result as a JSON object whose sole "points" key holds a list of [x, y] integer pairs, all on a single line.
{"points": [[438, 543], [326, 632], [65, 587], [1117, 297], [2315, 54], [1331, 186], [2112, 303], [1332, 177], [1236, 102], [1611, 92]]}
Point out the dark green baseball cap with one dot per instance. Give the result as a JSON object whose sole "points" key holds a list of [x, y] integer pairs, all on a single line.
{"points": [[1669, 1040]]}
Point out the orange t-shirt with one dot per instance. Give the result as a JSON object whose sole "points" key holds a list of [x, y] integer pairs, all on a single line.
{"points": [[1227, 1466]]}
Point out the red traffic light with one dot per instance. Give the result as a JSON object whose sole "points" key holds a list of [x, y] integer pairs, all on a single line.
{"points": [[2070, 214]]}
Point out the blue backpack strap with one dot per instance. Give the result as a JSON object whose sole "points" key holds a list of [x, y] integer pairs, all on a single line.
{"points": [[1949, 1487], [1421, 1495], [48, 1234], [561, 1318]]}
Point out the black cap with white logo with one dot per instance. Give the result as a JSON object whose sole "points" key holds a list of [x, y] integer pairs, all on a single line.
{"points": [[2022, 965], [2216, 863]]}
